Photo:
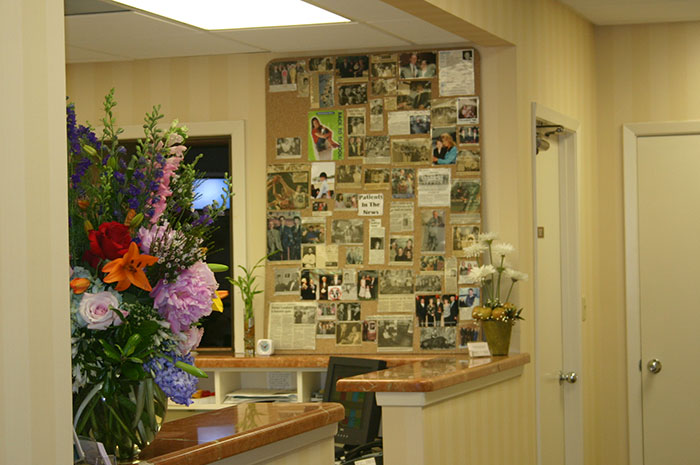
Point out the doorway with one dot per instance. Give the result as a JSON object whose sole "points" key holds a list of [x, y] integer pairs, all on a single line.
{"points": [[662, 224], [557, 315]]}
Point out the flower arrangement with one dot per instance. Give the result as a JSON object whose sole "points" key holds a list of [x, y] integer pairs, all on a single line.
{"points": [[139, 280], [491, 277]]}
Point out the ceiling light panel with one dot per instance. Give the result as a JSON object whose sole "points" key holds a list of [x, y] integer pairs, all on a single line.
{"points": [[227, 14]]}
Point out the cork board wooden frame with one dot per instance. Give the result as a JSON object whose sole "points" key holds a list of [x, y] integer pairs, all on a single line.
{"points": [[371, 152]]}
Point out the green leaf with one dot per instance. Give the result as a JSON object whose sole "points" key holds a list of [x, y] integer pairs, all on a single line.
{"points": [[132, 371], [131, 344], [193, 370], [217, 267], [110, 351]]}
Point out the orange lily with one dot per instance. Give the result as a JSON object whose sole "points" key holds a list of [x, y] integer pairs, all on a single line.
{"points": [[79, 285], [128, 270]]}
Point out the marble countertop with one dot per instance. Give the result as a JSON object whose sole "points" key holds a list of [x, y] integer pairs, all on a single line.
{"points": [[207, 359], [211, 436], [431, 375]]}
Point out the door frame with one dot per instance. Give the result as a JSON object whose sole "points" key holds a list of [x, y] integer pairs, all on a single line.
{"points": [[630, 133], [570, 273]]}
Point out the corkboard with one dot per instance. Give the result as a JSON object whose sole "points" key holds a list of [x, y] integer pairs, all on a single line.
{"points": [[288, 116]]}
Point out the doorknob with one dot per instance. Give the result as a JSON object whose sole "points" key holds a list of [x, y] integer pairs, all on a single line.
{"points": [[570, 377], [654, 366]]}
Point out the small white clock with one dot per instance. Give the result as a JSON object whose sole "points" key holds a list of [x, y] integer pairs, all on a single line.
{"points": [[265, 347]]}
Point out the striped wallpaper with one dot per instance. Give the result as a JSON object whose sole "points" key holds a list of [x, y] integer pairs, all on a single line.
{"points": [[35, 385]]}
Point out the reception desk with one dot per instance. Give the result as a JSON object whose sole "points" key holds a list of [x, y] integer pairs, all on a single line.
{"points": [[248, 434], [431, 413]]}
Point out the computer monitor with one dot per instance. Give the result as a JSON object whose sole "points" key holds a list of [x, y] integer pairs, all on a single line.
{"points": [[362, 415]]}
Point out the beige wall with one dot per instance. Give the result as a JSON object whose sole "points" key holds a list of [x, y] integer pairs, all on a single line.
{"points": [[555, 51], [644, 73], [35, 385]]}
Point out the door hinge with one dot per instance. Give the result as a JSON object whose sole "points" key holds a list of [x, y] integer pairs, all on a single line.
{"points": [[640, 364]]}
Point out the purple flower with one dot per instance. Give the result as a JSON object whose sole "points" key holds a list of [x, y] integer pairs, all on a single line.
{"points": [[119, 176], [80, 169], [188, 299], [175, 383]]}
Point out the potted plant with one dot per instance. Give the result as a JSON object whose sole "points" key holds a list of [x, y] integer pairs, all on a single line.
{"points": [[498, 314], [249, 289]]}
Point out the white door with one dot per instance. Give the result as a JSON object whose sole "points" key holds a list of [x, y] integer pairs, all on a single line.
{"points": [[668, 190], [557, 319]]}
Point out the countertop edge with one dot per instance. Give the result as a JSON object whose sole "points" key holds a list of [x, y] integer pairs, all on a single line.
{"points": [[393, 382], [249, 440]]}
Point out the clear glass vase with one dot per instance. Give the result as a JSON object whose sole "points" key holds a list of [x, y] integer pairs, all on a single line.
{"points": [[124, 418], [249, 334]]}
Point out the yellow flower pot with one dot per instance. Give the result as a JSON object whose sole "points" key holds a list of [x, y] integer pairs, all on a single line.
{"points": [[497, 336]]}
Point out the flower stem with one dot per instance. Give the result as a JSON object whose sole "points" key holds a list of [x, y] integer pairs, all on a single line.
{"points": [[510, 289]]}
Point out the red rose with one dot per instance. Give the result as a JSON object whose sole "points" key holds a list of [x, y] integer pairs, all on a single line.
{"points": [[110, 241]]}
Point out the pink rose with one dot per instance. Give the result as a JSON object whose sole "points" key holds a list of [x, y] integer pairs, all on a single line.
{"points": [[190, 339], [96, 310]]}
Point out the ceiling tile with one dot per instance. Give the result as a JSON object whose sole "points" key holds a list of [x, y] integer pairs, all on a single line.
{"points": [[139, 36], [362, 10], [315, 38], [610, 12]]}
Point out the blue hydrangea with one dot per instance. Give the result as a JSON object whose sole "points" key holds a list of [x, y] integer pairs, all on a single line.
{"points": [[175, 383]]}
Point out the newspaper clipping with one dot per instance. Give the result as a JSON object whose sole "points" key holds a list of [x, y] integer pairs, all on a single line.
{"points": [[410, 150], [349, 286], [292, 325], [469, 161], [376, 245], [401, 217], [356, 121], [321, 90], [348, 334], [377, 149], [468, 111], [463, 236], [287, 187], [451, 275], [430, 283], [376, 114], [354, 256], [394, 333], [286, 281], [465, 195], [456, 72], [401, 250], [313, 230], [395, 291], [433, 222], [408, 122], [434, 187], [327, 256], [351, 231], [444, 337], [345, 201], [349, 176], [377, 178], [288, 147], [444, 112]]}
